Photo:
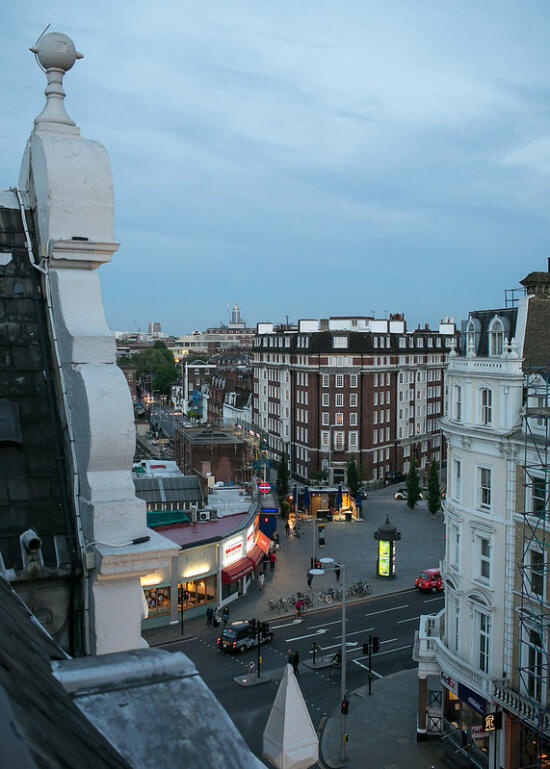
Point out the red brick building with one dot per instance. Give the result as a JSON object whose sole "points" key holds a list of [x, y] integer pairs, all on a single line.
{"points": [[358, 387], [211, 452]]}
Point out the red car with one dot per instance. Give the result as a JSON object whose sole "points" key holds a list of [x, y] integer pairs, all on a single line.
{"points": [[429, 580]]}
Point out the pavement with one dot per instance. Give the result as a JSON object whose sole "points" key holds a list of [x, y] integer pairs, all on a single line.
{"points": [[381, 727]]}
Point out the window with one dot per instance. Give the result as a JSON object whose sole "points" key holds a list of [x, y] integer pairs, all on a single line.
{"points": [[485, 488], [457, 410], [536, 572], [485, 559], [496, 337], [352, 439], [339, 400], [454, 622], [455, 546], [535, 665], [353, 419], [353, 380], [353, 399], [325, 380], [325, 399], [484, 625], [340, 341], [338, 441], [339, 418], [486, 406], [457, 472], [375, 399], [325, 418], [539, 496], [339, 380]]}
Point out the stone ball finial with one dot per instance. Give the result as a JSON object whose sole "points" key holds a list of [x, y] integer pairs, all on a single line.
{"points": [[56, 51]]}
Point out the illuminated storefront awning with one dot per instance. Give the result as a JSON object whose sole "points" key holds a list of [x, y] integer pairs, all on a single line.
{"points": [[237, 570], [262, 542], [255, 555]]}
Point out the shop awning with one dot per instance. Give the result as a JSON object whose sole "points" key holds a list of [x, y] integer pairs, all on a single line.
{"points": [[255, 555], [237, 570], [262, 542]]}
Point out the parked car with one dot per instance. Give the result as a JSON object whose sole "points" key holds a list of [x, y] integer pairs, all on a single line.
{"points": [[429, 580], [402, 494], [242, 635], [393, 476]]}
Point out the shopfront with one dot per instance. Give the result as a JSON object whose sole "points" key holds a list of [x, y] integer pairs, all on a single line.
{"points": [[157, 590], [463, 723], [195, 572], [241, 560]]}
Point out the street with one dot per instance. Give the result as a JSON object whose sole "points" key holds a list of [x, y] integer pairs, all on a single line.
{"points": [[393, 618]]}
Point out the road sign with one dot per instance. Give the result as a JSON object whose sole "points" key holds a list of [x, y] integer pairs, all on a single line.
{"points": [[264, 487]]}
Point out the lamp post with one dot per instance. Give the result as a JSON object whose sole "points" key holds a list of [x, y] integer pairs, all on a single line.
{"points": [[338, 567]]}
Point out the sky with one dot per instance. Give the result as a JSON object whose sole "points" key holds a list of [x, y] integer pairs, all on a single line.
{"points": [[303, 159]]}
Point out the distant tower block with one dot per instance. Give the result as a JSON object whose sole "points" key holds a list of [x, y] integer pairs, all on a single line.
{"points": [[154, 327], [235, 315]]}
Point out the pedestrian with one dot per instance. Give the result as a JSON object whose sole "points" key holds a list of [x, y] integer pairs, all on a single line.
{"points": [[295, 662], [287, 529], [299, 607], [272, 560], [261, 581], [209, 616], [225, 616], [290, 657]]}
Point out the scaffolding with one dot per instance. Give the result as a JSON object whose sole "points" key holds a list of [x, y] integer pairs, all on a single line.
{"points": [[534, 608]]}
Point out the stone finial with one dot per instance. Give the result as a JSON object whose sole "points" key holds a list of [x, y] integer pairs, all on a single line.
{"points": [[513, 349], [56, 54], [452, 352]]}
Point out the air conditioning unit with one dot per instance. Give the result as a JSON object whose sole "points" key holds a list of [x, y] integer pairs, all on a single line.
{"points": [[204, 515]]}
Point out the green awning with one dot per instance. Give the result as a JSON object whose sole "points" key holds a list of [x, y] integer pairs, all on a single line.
{"points": [[165, 517]]}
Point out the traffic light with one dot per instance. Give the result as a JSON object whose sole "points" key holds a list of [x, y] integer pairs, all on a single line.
{"points": [[321, 533], [344, 707], [375, 644], [366, 648], [265, 628], [253, 626]]}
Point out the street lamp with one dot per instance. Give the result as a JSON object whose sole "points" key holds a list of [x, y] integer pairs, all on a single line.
{"points": [[338, 567]]}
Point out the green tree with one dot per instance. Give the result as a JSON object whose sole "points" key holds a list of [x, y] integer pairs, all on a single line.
{"points": [[353, 477], [284, 508], [282, 476], [158, 363], [413, 485], [319, 475], [434, 492]]}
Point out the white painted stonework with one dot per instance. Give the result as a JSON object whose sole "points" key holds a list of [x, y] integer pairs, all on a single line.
{"points": [[68, 179]]}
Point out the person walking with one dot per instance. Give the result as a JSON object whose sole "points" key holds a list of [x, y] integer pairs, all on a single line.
{"points": [[209, 616], [272, 561], [295, 662], [225, 616], [261, 581], [287, 529], [290, 657]]}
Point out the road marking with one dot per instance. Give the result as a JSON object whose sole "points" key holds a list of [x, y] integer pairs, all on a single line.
{"points": [[393, 608], [389, 651], [431, 600], [366, 667], [287, 624], [355, 632], [325, 624], [339, 646], [411, 619], [299, 638]]}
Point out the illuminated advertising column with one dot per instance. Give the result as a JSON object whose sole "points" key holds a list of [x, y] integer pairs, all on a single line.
{"points": [[386, 536]]}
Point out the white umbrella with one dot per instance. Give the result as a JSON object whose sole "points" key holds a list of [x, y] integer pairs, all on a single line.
{"points": [[290, 739]]}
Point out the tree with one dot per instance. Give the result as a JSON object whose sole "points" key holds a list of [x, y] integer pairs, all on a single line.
{"points": [[353, 477], [282, 476], [319, 475], [413, 485], [434, 492]]}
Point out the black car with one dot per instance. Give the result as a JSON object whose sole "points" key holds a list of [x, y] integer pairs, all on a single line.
{"points": [[392, 476], [243, 635]]}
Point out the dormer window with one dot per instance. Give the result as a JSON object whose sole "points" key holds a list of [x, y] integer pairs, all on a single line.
{"points": [[496, 337]]}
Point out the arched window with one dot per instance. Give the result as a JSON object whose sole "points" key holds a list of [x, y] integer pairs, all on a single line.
{"points": [[496, 337], [486, 406], [472, 336]]}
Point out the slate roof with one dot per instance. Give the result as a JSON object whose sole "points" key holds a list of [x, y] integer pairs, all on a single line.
{"points": [[33, 477], [484, 318], [184, 488], [41, 726], [359, 342]]}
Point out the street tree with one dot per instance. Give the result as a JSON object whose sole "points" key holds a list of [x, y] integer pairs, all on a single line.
{"points": [[413, 485], [353, 477], [434, 492], [282, 476]]}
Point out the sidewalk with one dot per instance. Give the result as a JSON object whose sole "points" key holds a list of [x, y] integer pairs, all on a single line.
{"points": [[421, 546], [382, 729]]}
